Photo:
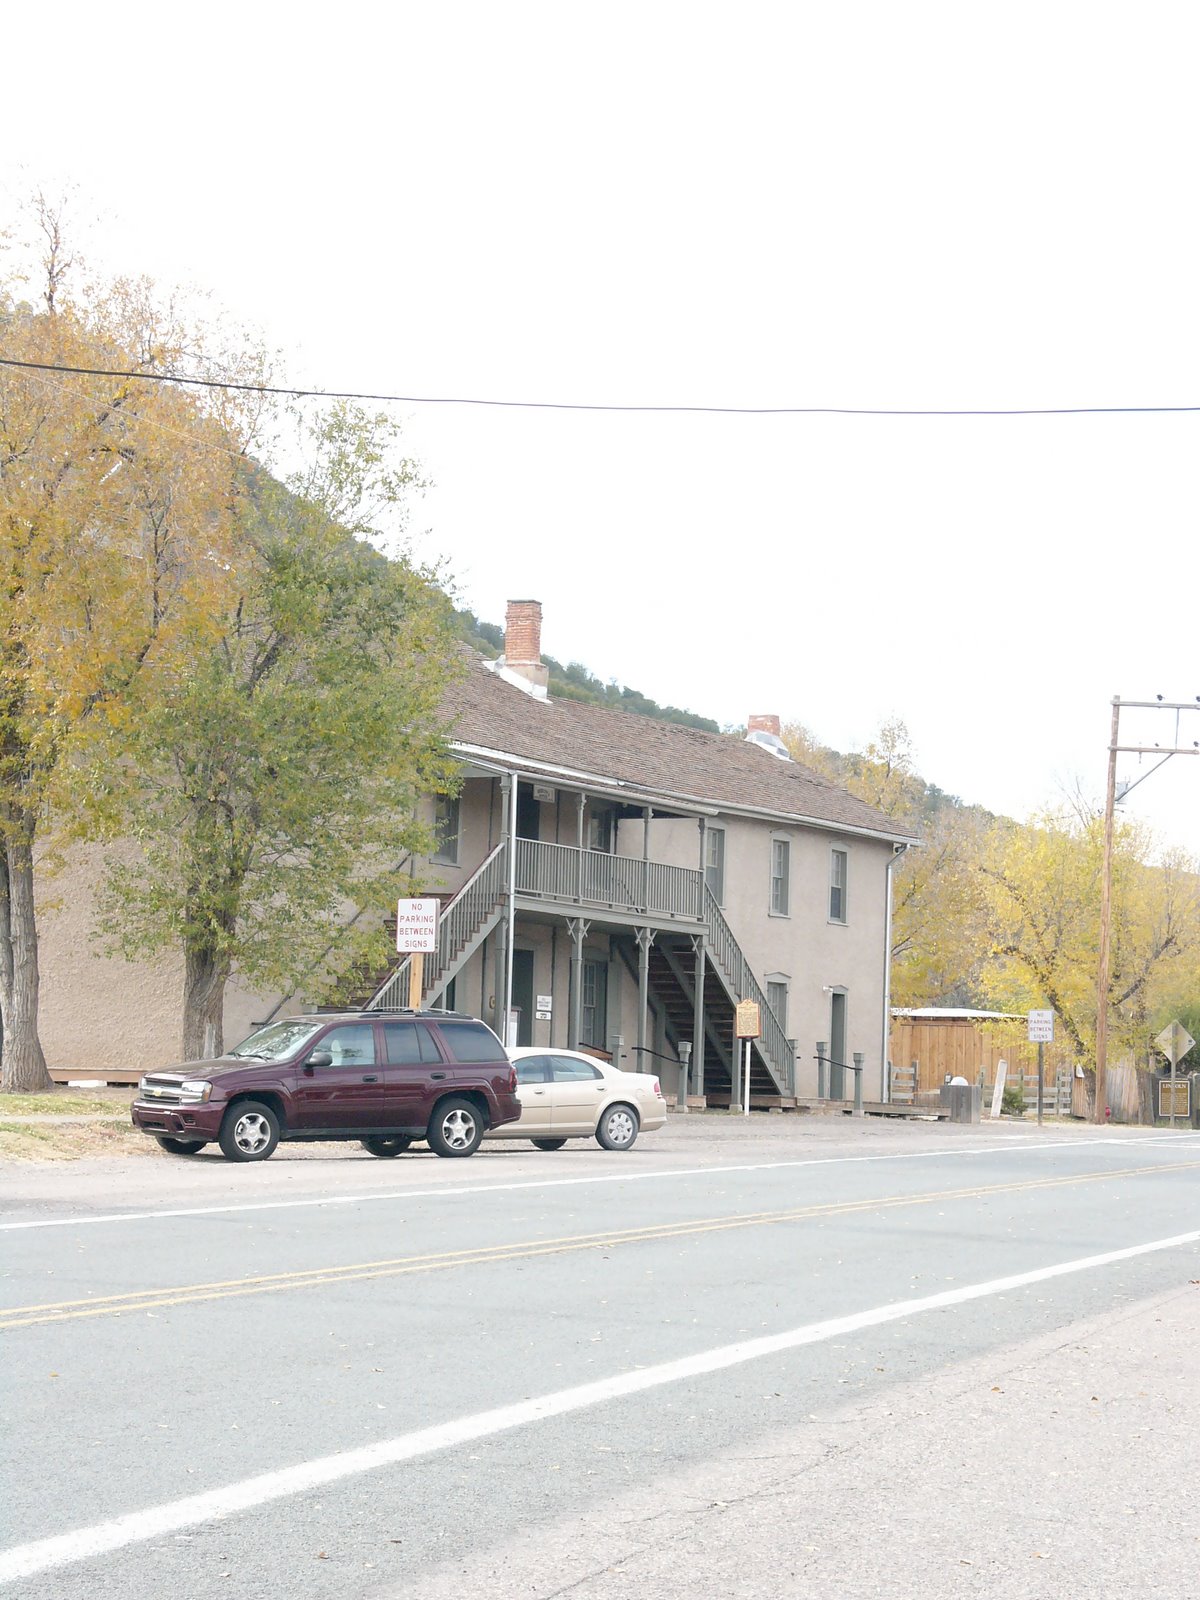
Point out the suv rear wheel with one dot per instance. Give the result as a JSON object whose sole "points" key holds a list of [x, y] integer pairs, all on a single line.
{"points": [[455, 1128], [386, 1148], [249, 1132]]}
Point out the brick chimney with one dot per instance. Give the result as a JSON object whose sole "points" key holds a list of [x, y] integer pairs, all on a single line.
{"points": [[764, 722], [523, 644]]}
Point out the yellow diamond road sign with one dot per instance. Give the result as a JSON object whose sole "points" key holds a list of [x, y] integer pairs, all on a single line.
{"points": [[1175, 1041]]}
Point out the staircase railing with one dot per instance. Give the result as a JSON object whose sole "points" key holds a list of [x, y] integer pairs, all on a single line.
{"points": [[726, 955], [460, 920]]}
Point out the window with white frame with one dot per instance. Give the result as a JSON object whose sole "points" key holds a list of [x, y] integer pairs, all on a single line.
{"points": [[839, 865], [446, 824], [714, 862], [777, 999], [781, 868]]}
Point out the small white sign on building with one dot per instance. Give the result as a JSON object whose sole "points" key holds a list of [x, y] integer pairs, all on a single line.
{"points": [[416, 926], [545, 1002]]}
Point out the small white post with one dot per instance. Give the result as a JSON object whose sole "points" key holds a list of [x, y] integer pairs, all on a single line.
{"points": [[998, 1091], [746, 1082]]}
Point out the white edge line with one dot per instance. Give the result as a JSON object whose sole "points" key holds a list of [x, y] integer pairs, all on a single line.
{"points": [[23, 1561], [1005, 1148]]}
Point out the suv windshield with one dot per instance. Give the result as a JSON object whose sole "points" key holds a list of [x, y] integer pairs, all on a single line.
{"points": [[278, 1041]]}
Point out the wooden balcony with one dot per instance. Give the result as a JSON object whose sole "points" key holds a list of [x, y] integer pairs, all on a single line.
{"points": [[562, 877]]}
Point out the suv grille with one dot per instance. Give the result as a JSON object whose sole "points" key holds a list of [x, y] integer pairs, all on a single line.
{"points": [[164, 1092]]}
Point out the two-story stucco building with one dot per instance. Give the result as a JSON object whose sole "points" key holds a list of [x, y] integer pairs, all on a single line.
{"points": [[605, 877], [620, 883]]}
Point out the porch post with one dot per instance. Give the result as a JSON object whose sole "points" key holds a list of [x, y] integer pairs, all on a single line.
{"points": [[512, 903], [698, 1017], [645, 938], [579, 802], [647, 814], [577, 928]]}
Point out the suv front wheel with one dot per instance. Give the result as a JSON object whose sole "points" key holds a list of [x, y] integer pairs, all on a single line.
{"points": [[456, 1128], [249, 1132]]}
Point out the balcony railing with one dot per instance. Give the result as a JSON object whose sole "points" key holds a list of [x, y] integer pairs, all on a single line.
{"points": [[564, 874]]}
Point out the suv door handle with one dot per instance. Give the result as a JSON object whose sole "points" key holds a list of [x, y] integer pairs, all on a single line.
{"points": [[437, 1074], [371, 1078]]}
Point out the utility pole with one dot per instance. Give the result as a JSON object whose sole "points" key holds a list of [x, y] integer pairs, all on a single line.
{"points": [[1110, 805], [1115, 748]]}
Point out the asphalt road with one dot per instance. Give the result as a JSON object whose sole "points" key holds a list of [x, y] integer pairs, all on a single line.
{"points": [[798, 1357]]}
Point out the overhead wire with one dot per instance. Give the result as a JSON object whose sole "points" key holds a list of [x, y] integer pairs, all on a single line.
{"points": [[299, 393]]}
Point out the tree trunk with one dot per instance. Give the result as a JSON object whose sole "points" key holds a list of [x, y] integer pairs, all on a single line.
{"points": [[204, 977], [24, 1065]]}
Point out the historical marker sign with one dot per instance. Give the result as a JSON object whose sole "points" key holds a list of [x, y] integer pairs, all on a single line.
{"points": [[749, 1023]]}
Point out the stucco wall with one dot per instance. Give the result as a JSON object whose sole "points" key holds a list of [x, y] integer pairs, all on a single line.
{"points": [[102, 1012], [814, 954]]}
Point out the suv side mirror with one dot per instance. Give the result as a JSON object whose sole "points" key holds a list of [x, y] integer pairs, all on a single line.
{"points": [[319, 1058]]}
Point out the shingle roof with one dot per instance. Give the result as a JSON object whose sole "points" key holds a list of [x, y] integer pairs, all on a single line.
{"points": [[655, 758]]}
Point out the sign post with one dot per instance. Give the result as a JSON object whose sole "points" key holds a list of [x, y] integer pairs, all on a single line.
{"points": [[1041, 1032], [748, 1025], [416, 936], [1174, 1042]]}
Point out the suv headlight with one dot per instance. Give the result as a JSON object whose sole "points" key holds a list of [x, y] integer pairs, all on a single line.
{"points": [[195, 1089]]}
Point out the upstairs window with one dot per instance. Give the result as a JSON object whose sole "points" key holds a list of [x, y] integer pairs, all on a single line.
{"points": [[446, 825], [714, 863], [781, 867], [838, 871]]}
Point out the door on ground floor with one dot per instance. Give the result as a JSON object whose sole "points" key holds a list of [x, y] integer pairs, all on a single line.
{"points": [[593, 1028], [837, 1045], [522, 994]]}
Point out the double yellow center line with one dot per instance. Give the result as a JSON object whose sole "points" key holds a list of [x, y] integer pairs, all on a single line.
{"points": [[146, 1300]]}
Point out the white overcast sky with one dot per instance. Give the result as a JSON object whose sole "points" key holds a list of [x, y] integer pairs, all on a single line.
{"points": [[751, 204]]}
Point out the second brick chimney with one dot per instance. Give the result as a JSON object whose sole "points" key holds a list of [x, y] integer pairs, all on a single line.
{"points": [[523, 644], [764, 722]]}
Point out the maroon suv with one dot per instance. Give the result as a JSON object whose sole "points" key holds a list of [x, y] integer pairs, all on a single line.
{"points": [[384, 1078]]}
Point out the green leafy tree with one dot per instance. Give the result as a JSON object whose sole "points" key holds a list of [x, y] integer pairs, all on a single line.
{"points": [[272, 780]]}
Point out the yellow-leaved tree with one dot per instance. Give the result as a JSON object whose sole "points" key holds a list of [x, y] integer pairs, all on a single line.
{"points": [[116, 515], [1039, 910]]}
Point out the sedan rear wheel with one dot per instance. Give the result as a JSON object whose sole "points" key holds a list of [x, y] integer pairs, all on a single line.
{"points": [[456, 1128], [548, 1144], [618, 1128]]}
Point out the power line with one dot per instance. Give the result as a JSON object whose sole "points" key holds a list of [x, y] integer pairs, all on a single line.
{"points": [[592, 405]]}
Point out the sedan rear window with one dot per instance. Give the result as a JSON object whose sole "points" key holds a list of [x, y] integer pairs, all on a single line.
{"points": [[568, 1070], [471, 1041]]}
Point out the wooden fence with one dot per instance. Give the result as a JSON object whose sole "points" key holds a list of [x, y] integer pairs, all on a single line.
{"points": [[966, 1047], [926, 1050]]}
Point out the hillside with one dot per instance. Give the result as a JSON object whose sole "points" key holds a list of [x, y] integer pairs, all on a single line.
{"points": [[575, 682]]}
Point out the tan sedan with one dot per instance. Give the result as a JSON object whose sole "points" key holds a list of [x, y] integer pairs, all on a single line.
{"points": [[565, 1094]]}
